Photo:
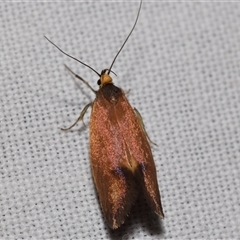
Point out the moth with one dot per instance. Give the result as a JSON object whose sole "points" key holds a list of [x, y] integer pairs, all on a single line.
{"points": [[121, 158]]}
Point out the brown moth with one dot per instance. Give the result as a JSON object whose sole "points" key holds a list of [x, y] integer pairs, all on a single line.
{"points": [[121, 158]]}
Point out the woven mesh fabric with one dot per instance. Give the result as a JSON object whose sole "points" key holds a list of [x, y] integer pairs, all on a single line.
{"points": [[182, 67]]}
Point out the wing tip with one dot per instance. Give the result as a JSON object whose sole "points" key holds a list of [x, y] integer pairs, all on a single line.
{"points": [[116, 221]]}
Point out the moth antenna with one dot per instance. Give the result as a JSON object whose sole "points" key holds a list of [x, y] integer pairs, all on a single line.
{"points": [[109, 70], [72, 57], [103, 71]]}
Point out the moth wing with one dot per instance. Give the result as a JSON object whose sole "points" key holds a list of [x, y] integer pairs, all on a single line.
{"points": [[115, 183], [138, 145], [121, 159]]}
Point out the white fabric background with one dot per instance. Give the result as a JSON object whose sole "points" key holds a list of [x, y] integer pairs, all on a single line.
{"points": [[182, 64]]}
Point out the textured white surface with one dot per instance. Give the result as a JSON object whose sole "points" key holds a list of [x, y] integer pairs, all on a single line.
{"points": [[182, 64]]}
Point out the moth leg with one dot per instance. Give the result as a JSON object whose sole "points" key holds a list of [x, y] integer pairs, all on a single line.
{"points": [[139, 117], [77, 76], [79, 118], [127, 92]]}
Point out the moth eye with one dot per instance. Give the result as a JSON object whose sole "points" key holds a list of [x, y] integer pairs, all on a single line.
{"points": [[99, 82]]}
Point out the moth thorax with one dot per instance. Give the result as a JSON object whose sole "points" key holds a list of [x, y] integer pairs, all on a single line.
{"points": [[105, 79]]}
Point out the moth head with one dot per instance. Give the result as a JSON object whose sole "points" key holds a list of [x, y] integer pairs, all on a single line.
{"points": [[105, 78]]}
